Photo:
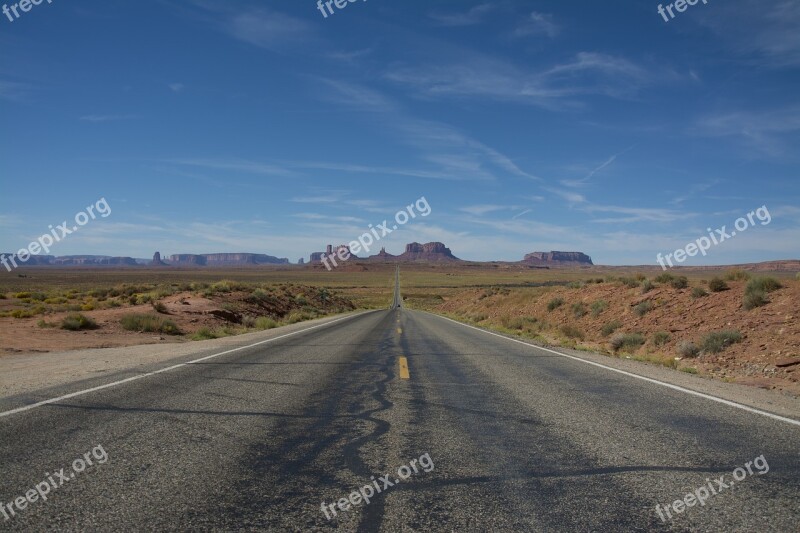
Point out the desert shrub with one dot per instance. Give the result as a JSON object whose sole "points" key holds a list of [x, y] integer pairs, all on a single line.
{"points": [[265, 322], [203, 334], [737, 274], [717, 285], [640, 277], [660, 338], [512, 322], [579, 309], [627, 341], [22, 295], [689, 370], [575, 285], [555, 303], [796, 276], [699, 292], [610, 327], [159, 307], [765, 284], [149, 323], [719, 340], [571, 332], [642, 308], [77, 321], [598, 307], [43, 324], [629, 282], [477, 317], [248, 321], [647, 286], [666, 277], [754, 299], [680, 282], [299, 316], [688, 349]]}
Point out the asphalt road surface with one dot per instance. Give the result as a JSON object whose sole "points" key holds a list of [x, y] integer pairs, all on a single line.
{"points": [[494, 436]]}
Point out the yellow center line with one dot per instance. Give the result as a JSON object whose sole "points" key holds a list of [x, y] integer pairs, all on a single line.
{"points": [[404, 368], [399, 330]]}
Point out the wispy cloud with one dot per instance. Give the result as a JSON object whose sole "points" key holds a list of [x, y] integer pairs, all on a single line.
{"points": [[238, 165], [471, 17], [537, 24], [763, 131], [106, 118], [479, 210], [176, 87], [590, 175], [588, 73]]}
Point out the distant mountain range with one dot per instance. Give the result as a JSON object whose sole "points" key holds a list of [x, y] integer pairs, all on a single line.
{"points": [[432, 252]]}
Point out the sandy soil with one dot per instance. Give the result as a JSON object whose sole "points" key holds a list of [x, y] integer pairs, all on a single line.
{"points": [[768, 356]]}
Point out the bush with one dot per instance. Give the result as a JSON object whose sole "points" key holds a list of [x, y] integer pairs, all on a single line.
{"points": [[688, 349], [579, 310], [204, 333], [717, 285], [575, 285], [159, 307], [647, 286], [717, 341], [661, 338], [627, 341], [555, 303], [679, 283], [610, 328], [149, 323], [598, 307], [571, 332], [77, 321], [737, 274], [764, 284], [43, 324], [265, 322], [629, 282], [666, 277], [643, 308], [699, 292], [754, 299], [512, 322]]}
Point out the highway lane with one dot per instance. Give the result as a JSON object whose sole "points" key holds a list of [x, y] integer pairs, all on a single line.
{"points": [[519, 438]]}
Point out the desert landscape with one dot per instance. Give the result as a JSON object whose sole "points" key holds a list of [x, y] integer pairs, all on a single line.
{"points": [[737, 324]]}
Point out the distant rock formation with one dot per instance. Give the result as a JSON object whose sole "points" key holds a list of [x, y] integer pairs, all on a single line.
{"points": [[244, 259], [330, 251], [558, 258], [157, 260], [301, 261], [93, 260], [433, 252], [383, 257], [187, 260], [226, 260]]}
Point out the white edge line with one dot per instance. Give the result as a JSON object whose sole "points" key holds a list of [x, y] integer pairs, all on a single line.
{"points": [[637, 376], [167, 369]]}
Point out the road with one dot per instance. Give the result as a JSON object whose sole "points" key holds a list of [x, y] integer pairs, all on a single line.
{"points": [[519, 439]]}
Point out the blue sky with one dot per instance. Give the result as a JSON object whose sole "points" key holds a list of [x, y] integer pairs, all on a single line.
{"points": [[265, 127]]}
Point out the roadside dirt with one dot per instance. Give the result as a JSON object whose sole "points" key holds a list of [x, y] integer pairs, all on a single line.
{"points": [[768, 355]]}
